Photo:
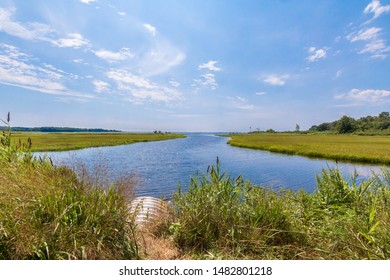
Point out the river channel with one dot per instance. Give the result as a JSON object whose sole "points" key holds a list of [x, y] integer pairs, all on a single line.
{"points": [[159, 167]]}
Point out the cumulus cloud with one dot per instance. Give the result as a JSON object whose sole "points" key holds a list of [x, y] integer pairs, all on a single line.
{"points": [[123, 54], [17, 69], [139, 90], [151, 29], [210, 66], [376, 8], [316, 54], [364, 96], [276, 80]]}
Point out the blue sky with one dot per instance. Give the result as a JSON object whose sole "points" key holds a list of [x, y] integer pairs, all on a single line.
{"points": [[205, 65]]}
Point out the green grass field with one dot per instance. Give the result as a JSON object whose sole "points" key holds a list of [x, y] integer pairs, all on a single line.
{"points": [[365, 149], [73, 141]]}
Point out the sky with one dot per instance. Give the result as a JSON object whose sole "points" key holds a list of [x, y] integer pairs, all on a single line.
{"points": [[204, 65]]}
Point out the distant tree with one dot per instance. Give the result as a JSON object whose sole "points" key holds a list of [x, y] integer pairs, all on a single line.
{"points": [[270, 130], [297, 127], [346, 125], [384, 115]]}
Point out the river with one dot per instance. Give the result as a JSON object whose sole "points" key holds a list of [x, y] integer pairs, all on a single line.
{"points": [[160, 166]]}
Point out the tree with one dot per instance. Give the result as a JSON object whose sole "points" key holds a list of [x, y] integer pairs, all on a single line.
{"points": [[346, 125], [297, 127], [384, 115]]}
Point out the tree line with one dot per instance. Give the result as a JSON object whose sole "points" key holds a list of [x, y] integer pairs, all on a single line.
{"points": [[365, 125], [58, 129]]}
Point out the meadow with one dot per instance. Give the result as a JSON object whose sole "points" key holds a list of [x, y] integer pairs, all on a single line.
{"points": [[73, 141], [354, 148]]}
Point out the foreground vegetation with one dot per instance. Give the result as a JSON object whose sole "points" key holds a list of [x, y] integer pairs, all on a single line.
{"points": [[221, 217], [48, 212], [53, 212], [74, 141], [365, 149]]}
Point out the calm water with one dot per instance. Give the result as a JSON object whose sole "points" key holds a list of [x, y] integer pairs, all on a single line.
{"points": [[161, 166]]}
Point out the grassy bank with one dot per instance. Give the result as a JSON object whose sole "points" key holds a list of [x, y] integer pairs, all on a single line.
{"points": [[365, 149], [74, 141], [53, 212], [220, 217], [47, 212]]}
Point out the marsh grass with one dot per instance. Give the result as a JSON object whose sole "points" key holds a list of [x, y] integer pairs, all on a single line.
{"points": [[365, 149], [228, 218], [73, 141], [50, 212], [54, 212], [231, 216], [46, 212]]}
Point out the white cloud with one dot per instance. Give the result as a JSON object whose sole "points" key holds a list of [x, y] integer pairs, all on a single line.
{"points": [[128, 78], [374, 44], [151, 29], [363, 96], [87, 1], [186, 116], [17, 69], [365, 34], [35, 31], [276, 80], [207, 81], [140, 90], [316, 54], [210, 66], [123, 54], [261, 93], [377, 49], [241, 103], [338, 74], [122, 14], [101, 86], [376, 8], [161, 59], [174, 83], [27, 31], [74, 40]]}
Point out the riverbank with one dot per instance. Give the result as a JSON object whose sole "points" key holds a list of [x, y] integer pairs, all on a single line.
{"points": [[54, 212], [48, 142], [352, 148]]}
